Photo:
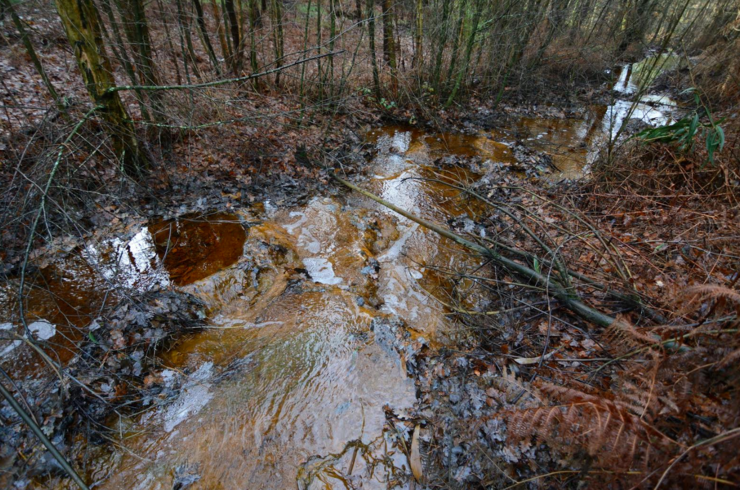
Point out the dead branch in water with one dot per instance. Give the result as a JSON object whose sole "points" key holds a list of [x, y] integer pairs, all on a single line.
{"points": [[569, 299]]}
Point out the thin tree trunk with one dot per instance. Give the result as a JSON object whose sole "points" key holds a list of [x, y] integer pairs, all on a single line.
{"points": [[332, 35], [373, 54], [137, 32], [419, 55], [170, 45], [437, 73], [122, 55], [636, 24], [32, 53], [80, 20], [279, 40], [254, 19], [468, 51], [459, 31], [389, 43], [220, 30], [184, 23], [235, 37], [305, 48], [204, 35], [318, 48]]}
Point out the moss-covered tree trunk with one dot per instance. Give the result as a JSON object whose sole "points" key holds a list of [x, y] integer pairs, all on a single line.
{"points": [[80, 20]]}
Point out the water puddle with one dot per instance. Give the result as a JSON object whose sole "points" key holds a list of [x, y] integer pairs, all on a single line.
{"points": [[74, 285], [291, 379], [193, 247]]}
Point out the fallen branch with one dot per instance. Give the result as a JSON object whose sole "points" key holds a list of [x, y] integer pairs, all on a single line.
{"points": [[569, 299]]}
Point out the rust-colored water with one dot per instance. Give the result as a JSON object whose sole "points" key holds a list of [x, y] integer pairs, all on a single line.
{"points": [[193, 247], [70, 290], [289, 367]]}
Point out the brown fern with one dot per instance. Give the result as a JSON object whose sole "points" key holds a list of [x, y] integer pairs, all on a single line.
{"points": [[624, 336], [693, 297], [613, 433]]}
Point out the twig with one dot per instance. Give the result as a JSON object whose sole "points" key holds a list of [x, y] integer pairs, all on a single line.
{"points": [[154, 88]]}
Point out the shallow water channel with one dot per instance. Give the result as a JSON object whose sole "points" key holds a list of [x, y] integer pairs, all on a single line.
{"points": [[291, 379]]}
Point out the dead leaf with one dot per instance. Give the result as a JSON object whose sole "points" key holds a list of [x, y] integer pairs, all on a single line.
{"points": [[415, 457], [534, 360]]}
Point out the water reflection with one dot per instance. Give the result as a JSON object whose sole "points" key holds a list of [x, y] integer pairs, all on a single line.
{"points": [[69, 291]]}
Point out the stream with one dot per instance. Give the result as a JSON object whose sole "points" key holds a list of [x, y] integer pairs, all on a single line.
{"points": [[291, 379]]}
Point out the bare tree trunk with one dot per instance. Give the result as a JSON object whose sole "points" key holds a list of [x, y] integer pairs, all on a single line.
{"points": [[389, 43], [235, 37], [220, 30], [419, 55], [254, 19], [318, 47], [468, 51], [332, 35], [636, 24], [7, 6], [80, 20], [189, 53], [459, 31], [170, 45], [137, 32], [204, 35], [122, 55], [373, 54], [305, 49], [437, 73], [279, 40]]}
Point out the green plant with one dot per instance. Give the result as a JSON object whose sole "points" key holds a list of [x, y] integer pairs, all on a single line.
{"points": [[387, 104], [685, 131]]}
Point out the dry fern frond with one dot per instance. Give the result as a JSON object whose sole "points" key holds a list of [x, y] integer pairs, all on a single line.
{"points": [[612, 432], [625, 336], [693, 297], [515, 391]]}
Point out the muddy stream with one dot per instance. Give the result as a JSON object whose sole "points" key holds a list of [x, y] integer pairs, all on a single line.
{"points": [[292, 375]]}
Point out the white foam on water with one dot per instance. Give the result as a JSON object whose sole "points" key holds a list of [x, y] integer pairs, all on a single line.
{"points": [[321, 270], [195, 394], [42, 329]]}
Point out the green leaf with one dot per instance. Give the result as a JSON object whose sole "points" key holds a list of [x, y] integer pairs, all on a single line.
{"points": [[721, 134]]}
